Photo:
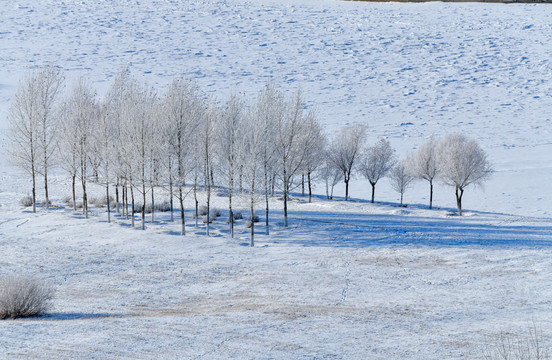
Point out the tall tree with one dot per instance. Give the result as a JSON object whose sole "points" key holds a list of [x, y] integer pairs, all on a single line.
{"points": [[184, 110], [82, 113], [463, 162], [289, 146], [32, 121], [345, 149], [229, 136]]}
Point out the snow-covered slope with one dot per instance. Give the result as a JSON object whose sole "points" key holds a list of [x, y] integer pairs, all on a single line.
{"points": [[407, 70], [346, 280]]}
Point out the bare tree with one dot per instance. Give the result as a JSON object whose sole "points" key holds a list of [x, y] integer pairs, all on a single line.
{"points": [[423, 164], [345, 149], [400, 179], [314, 143], [253, 146], [377, 162], [32, 123], [268, 111], [50, 82], [80, 114], [229, 135], [332, 175], [463, 162], [183, 110], [289, 144]]}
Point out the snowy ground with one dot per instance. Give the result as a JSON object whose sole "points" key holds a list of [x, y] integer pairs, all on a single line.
{"points": [[346, 280]]}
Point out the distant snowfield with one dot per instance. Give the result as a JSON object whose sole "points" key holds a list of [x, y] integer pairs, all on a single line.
{"points": [[346, 280]]}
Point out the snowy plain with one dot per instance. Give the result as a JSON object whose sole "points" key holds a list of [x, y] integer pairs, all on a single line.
{"points": [[349, 280]]}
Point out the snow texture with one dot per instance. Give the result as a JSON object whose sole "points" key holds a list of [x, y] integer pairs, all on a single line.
{"points": [[347, 280]]}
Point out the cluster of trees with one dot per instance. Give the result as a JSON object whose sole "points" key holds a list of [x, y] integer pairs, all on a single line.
{"points": [[455, 159], [136, 140]]}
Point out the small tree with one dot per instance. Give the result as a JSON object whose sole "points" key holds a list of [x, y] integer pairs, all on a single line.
{"points": [[423, 164], [332, 175], [463, 162], [377, 162], [345, 149], [400, 179]]}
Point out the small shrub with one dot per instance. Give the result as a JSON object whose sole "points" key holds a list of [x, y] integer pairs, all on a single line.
{"points": [[215, 212], [67, 200], [211, 219], [43, 203], [23, 296], [248, 222], [237, 215], [26, 201], [163, 206], [202, 210], [528, 346]]}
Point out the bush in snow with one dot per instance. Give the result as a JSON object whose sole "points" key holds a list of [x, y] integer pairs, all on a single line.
{"points": [[26, 201], [23, 296], [248, 222], [529, 346]]}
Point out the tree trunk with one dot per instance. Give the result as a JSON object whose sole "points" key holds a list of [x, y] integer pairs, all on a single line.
{"points": [[401, 199], [310, 186], [152, 205], [373, 190], [46, 187], [303, 185], [108, 204], [143, 206], [346, 189], [285, 197], [252, 217], [34, 191], [430, 194], [117, 195], [182, 217], [73, 185], [132, 200], [459, 193], [171, 193], [230, 213]]}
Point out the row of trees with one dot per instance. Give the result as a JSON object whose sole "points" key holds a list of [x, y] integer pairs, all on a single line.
{"points": [[136, 141], [455, 159]]}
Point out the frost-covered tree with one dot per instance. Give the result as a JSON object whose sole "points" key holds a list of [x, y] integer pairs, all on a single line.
{"points": [[267, 111], [81, 112], [400, 179], [289, 144], [183, 110], [423, 164], [345, 149], [229, 136], [32, 121], [50, 82], [314, 143], [253, 145], [206, 135], [332, 176], [463, 162], [377, 162]]}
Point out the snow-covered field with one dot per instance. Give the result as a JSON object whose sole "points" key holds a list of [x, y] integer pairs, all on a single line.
{"points": [[345, 280]]}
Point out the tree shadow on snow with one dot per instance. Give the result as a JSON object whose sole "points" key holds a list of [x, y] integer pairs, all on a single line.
{"points": [[359, 230]]}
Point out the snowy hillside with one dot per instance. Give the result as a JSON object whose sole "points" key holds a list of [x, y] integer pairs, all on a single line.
{"points": [[348, 280]]}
